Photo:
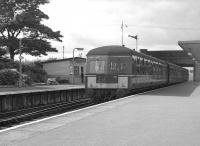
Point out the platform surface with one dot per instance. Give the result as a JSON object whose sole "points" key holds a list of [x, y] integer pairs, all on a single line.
{"points": [[41, 88], [163, 117]]}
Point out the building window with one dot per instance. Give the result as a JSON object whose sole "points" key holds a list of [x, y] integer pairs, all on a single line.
{"points": [[76, 70]]}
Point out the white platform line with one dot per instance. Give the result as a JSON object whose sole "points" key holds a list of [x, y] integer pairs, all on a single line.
{"points": [[37, 121]]}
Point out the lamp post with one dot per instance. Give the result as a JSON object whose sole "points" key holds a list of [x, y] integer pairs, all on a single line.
{"points": [[136, 38], [20, 62], [18, 20], [79, 49]]}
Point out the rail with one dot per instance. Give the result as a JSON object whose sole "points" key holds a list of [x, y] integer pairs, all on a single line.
{"points": [[39, 112]]}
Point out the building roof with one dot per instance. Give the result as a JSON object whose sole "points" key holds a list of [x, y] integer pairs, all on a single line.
{"points": [[66, 59], [110, 50], [178, 57], [192, 48]]}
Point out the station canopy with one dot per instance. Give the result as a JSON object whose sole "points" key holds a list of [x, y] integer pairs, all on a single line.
{"points": [[192, 48]]}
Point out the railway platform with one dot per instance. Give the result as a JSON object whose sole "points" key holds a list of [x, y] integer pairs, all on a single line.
{"points": [[38, 88], [167, 116]]}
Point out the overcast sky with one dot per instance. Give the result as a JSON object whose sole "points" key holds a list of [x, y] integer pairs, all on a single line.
{"points": [[94, 23]]}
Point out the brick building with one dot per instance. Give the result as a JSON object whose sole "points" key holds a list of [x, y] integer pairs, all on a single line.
{"points": [[63, 69]]}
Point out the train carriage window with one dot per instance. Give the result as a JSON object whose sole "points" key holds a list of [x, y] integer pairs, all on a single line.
{"points": [[149, 61], [151, 70], [146, 61], [137, 70], [133, 68], [122, 66], [138, 60], [134, 57], [142, 61]]}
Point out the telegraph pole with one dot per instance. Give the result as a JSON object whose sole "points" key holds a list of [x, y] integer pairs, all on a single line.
{"points": [[63, 52], [136, 38], [122, 27]]}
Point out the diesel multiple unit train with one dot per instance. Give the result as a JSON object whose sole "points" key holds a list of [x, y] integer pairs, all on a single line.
{"points": [[118, 69]]}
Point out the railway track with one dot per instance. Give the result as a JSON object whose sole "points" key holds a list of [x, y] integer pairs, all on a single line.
{"points": [[8, 119]]}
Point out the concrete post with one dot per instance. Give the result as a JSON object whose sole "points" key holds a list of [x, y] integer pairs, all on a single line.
{"points": [[196, 71]]}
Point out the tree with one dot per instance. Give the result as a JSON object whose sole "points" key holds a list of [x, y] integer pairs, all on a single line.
{"points": [[23, 18]]}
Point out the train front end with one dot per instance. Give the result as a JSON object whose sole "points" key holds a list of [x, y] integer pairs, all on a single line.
{"points": [[108, 68]]}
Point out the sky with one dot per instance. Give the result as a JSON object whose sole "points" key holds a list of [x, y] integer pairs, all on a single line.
{"points": [[88, 24]]}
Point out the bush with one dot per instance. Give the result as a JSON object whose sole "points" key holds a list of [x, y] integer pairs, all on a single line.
{"points": [[35, 72], [8, 77], [7, 64], [26, 80]]}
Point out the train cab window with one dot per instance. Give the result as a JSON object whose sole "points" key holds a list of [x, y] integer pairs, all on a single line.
{"points": [[118, 67], [97, 66], [113, 66]]}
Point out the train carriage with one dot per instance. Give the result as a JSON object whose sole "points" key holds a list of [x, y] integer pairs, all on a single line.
{"points": [[147, 71], [120, 68], [177, 74]]}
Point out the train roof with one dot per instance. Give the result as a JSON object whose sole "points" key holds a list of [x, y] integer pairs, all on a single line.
{"points": [[113, 50], [116, 50]]}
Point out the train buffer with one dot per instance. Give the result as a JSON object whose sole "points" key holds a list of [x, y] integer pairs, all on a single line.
{"points": [[167, 116]]}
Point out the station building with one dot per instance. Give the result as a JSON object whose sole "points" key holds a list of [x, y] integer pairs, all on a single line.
{"points": [[69, 69]]}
